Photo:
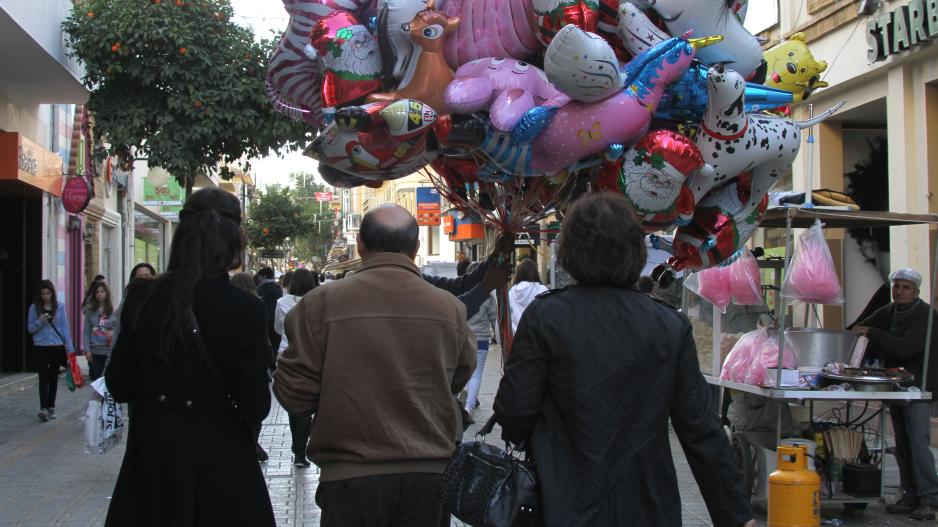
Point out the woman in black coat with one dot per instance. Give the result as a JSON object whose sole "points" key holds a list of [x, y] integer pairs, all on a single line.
{"points": [[190, 458], [595, 374]]}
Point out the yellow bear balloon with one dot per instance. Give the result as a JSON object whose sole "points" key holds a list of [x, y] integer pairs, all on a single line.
{"points": [[792, 67]]}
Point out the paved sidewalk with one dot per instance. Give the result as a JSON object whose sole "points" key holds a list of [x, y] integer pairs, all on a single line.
{"points": [[47, 479]]}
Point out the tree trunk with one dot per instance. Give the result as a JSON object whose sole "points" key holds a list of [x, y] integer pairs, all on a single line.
{"points": [[189, 181]]}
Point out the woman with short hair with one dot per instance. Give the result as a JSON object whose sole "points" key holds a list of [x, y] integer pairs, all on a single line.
{"points": [[192, 355], [596, 373]]}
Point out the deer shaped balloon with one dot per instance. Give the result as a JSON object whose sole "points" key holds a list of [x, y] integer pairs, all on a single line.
{"points": [[431, 74]]}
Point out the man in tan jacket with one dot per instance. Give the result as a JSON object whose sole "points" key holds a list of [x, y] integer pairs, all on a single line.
{"points": [[377, 358]]}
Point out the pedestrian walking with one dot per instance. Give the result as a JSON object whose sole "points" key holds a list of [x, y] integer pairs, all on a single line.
{"points": [[481, 325], [897, 333], [377, 357], [192, 355], [269, 292], [596, 373], [141, 270], [48, 324], [89, 294], [301, 282], [98, 329], [245, 282], [524, 287]]}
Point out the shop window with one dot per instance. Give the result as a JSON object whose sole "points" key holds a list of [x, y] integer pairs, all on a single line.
{"points": [[148, 240]]}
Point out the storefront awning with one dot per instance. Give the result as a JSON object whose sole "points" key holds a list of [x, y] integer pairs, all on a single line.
{"points": [[25, 161]]}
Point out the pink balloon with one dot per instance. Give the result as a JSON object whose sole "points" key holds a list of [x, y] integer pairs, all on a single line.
{"points": [[580, 130], [508, 88], [490, 28]]}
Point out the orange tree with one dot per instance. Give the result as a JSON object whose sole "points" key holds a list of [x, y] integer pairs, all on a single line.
{"points": [[178, 83]]}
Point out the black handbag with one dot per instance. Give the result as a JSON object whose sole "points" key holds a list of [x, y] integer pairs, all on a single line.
{"points": [[485, 486]]}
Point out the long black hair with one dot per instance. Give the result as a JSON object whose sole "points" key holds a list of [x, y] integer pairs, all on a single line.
{"points": [[45, 284], [207, 242]]}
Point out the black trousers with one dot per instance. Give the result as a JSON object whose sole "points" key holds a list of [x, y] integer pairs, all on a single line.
{"points": [[395, 500], [48, 361], [300, 427], [96, 366]]}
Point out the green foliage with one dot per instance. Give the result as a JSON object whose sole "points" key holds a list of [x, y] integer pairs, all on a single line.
{"points": [[177, 82], [317, 240], [275, 217]]}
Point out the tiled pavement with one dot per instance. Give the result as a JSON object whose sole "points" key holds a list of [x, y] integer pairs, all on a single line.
{"points": [[47, 479]]}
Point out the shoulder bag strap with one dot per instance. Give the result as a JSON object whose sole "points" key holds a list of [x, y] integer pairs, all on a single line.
{"points": [[200, 344]]}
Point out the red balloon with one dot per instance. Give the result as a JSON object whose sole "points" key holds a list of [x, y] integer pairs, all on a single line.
{"points": [[716, 232]]}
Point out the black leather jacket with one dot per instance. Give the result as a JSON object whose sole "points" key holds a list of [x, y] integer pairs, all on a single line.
{"points": [[593, 379]]}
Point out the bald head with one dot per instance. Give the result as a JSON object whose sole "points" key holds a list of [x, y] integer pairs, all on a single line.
{"points": [[389, 229]]}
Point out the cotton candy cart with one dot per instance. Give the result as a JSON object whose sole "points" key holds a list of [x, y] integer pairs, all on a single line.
{"points": [[755, 458]]}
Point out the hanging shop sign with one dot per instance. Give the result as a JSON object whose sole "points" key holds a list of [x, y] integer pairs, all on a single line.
{"points": [[169, 194], [428, 207], [76, 195], [901, 29], [25, 161], [468, 226]]}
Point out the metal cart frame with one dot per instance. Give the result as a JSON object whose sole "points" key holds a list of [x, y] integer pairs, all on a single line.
{"points": [[791, 218]]}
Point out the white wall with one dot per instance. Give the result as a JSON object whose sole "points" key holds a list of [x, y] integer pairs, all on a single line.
{"points": [[42, 19]]}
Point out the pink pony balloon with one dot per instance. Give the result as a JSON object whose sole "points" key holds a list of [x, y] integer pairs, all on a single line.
{"points": [[508, 88], [580, 130]]}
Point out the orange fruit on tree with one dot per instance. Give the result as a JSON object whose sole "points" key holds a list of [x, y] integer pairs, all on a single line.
{"points": [[115, 47], [197, 103], [182, 51], [90, 14]]}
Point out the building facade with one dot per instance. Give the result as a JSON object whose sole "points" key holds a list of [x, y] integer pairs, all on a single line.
{"points": [[39, 86], [882, 147]]}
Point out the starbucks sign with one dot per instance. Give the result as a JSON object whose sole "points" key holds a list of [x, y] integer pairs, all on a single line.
{"points": [[901, 29]]}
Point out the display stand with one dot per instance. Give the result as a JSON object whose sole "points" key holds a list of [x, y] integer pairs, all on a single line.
{"points": [[791, 218]]}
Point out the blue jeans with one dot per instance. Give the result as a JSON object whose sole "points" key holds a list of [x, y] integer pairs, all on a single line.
{"points": [[476, 381]]}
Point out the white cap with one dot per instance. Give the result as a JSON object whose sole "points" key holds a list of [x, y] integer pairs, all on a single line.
{"points": [[907, 274]]}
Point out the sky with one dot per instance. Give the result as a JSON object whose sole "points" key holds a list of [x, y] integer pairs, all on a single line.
{"points": [[263, 16]]}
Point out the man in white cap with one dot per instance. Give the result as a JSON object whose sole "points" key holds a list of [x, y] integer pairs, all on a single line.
{"points": [[897, 334]]}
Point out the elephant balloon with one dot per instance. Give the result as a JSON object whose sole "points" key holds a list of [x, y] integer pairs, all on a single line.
{"points": [[507, 88]]}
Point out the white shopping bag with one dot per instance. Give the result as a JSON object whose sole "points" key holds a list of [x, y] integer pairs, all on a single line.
{"points": [[104, 421]]}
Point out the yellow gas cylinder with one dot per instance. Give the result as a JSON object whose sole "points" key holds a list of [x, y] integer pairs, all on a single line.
{"points": [[794, 491]]}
